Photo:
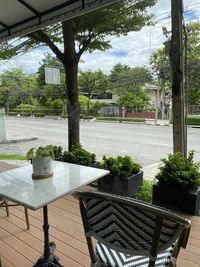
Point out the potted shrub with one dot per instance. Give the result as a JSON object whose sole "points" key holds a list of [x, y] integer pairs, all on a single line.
{"points": [[58, 153], [79, 155], [41, 159], [125, 176], [178, 183]]}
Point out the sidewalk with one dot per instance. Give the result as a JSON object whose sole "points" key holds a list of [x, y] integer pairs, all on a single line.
{"points": [[14, 138], [159, 122], [150, 171]]}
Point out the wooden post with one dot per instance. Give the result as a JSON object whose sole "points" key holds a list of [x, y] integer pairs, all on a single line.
{"points": [[178, 100], [157, 101]]}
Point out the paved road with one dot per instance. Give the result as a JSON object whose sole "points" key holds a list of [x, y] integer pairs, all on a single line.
{"points": [[147, 144]]}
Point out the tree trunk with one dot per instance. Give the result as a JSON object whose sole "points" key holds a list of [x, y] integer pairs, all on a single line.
{"points": [[71, 71]]}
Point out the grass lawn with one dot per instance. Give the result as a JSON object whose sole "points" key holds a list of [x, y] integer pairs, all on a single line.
{"points": [[12, 157]]}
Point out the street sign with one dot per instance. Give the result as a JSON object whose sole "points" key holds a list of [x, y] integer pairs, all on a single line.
{"points": [[52, 75]]}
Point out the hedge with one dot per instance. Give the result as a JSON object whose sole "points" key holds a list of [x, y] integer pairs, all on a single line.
{"points": [[37, 110], [12, 113], [26, 114], [193, 120], [120, 119], [85, 117]]}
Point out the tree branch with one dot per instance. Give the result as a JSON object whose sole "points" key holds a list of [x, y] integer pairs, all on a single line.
{"points": [[85, 45], [44, 38]]}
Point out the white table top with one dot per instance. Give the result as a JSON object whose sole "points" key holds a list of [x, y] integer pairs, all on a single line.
{"points": [[17, 184]]}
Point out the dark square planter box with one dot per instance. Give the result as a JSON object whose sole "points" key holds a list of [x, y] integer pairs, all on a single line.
{"points": [[121, 186], [175, 199]]}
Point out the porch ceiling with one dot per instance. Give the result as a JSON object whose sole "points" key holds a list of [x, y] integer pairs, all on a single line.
{"points": [[19, 17]]}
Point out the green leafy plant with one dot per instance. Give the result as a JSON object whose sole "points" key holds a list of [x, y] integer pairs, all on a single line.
{"points": [[40, 152], [58, 152], [79, 155], [179, 172], [121, 166], [146, 190]]}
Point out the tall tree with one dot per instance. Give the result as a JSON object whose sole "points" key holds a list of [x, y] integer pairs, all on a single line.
{"points": [[93, 83], [117, 69], [87, 33], [126, 79], [16, 87]]}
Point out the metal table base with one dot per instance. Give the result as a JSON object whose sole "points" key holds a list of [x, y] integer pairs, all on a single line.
{"points": [[48, 259]]}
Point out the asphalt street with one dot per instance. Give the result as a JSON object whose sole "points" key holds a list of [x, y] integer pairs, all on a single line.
{"points": [[145, 143]]}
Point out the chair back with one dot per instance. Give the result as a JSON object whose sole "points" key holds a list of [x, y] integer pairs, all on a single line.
{"points": [[130, 226]]}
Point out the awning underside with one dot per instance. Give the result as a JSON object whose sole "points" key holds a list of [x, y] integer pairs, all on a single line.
{"points": [[19, 17]]}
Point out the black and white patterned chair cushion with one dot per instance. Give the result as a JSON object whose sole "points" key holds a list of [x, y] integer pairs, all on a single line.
{"points": [[113, 258]]}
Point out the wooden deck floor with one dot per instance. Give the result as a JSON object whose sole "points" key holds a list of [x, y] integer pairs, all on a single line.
{"points": [[20, 247]]}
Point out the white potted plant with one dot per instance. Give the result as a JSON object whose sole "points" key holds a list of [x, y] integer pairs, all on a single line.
{"points": [[41, 159]]}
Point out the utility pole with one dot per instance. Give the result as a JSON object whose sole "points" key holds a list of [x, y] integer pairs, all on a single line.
{"points": [[157, 101], [178, 99]]}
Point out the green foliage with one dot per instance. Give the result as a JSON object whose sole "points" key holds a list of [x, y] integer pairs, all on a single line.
{"points": [[161, 64], [78, 155], [83, 102], [84, 117], [56, 104], [40, 152], [193, 120], [139, 99], [12, 157], [132, 77], [12, 113], [93, 82], [50, 61], [58, 152], [50, 95], [193, 81], [120, 119], [88, 32], [121, 166], [39, 114], [159, 61], [179, 172], [117, 69], [16, 87], [95, 107], [146, 190]]}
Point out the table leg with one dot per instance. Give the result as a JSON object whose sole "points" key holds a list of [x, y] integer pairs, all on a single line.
{"points": [[48, 259]]}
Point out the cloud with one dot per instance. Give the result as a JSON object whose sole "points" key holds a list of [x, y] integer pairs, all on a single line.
{"points": [[133, 49]]}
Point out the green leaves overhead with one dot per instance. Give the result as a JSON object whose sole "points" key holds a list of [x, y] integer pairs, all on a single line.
{"points": [[92, 30]]}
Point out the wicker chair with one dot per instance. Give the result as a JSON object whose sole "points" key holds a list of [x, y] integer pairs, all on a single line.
{"points": [[5, 204], [130, 233]]}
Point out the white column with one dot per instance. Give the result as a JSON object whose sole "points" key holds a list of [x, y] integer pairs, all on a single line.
{"points": [[2, 125]]}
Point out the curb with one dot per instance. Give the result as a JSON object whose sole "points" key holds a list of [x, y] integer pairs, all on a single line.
{"points": [[19, 140]]}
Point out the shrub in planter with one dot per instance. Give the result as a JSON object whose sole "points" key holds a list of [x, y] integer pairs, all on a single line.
{"points": [[125, 176], [178, 183], [41, 159], [58, 153], [79, 155]]}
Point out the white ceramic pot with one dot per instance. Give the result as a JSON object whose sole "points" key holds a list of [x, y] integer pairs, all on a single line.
{"points": [[42, 167]]}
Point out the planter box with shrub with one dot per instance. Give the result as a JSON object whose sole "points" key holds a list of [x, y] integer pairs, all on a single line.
{"points": [[125, 176], [178, 184]]}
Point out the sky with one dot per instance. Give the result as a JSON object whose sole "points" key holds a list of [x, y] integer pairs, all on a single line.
{"points": [[133, 49]]}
